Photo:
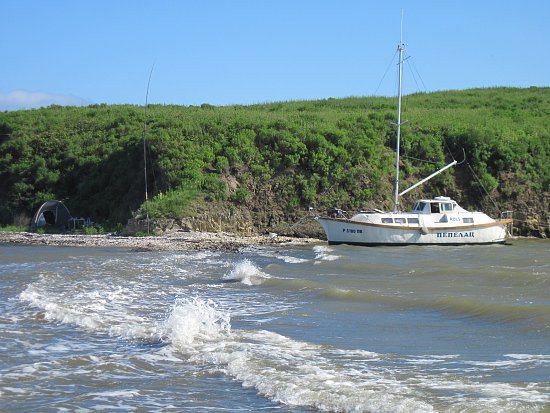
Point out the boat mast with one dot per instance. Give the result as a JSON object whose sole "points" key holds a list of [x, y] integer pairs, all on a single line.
{"points": [[400, 49], [397, 194]]}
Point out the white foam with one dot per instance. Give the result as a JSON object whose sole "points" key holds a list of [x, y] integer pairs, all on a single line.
{"points": [[247, 273], [135, 331], [276, 253], [59, 312], [282, 369], [530, 357], [106, 309], [512, 360], [322, 249], [29, 369], [297, 374], [503, 392], [292, 260], [195, 320], [124, 394], [323, 253], [15, 390], [58, 348], [358, 353]]}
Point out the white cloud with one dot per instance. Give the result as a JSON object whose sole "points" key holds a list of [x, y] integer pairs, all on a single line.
{"points": [[23, 99]]}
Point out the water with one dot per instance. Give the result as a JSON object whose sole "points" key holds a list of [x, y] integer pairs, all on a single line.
{"points": [[286, 329]]}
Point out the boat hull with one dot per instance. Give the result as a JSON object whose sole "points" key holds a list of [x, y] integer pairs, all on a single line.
{"points": [[345, 231]]}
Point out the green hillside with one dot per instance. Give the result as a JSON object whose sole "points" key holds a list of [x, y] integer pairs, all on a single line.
{"points": [[269, 162]]}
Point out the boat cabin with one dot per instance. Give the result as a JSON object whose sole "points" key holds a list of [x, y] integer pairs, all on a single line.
{"points": [[438, 205]]}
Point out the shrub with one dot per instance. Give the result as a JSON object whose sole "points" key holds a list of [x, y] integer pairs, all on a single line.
{"points": [[240, 196]]}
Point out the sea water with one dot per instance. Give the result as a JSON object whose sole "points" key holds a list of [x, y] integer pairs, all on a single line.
{"points": [[289, 328]]}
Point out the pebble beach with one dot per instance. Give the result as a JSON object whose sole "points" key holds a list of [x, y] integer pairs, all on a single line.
{"points": [[178, 241]]}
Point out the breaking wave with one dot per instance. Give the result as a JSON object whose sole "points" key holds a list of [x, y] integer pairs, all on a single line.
{"points": [[195, 320], [107, 311], [323, 253], [247, 273], [297, 373]]}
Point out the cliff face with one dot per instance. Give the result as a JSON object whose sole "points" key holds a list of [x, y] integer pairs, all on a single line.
{"points": [[530, 220], [532, 217]]}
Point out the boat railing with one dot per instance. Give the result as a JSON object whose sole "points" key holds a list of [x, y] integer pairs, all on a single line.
{"points": [[337, 213], [372, 211]]}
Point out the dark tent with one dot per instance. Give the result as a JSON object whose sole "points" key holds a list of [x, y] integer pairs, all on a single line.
{"points": [[53, 213]]}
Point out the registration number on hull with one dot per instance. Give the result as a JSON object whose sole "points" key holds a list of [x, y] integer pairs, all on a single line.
{"points": [[352, 231]]}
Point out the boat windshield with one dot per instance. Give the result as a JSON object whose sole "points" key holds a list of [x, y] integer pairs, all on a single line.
{"points": [[419, 207]]}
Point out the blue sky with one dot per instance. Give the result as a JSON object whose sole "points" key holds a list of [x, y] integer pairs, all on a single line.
{"points": [[255, 51]]}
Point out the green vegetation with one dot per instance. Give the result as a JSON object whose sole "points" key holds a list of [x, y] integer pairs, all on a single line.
{"points": [[274, 159], [15, 228]]}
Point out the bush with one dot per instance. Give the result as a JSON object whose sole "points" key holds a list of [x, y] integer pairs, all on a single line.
{"points": [[15, 228], [213, 187], [240, 196], [173, 204], [94, 230]]}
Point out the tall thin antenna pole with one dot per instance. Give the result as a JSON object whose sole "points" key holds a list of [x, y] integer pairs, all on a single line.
{"points": [[400, 49], [145, 149], [401, 32]]}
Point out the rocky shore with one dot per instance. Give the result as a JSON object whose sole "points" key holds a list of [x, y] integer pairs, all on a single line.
{"points": [[178, 241]]}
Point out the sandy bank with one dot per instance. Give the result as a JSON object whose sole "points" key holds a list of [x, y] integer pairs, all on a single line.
{"points": [[179, 241]]}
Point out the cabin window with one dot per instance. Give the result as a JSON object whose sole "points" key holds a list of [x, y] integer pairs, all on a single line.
{"points": [[468, 220], [434, 208], [447, 207], [419, 206], [412, 220], [387, 220], [400, 220]]}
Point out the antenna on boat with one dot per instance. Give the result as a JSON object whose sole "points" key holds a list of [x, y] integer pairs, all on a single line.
{"points": [[400, 49], [145, 149]]}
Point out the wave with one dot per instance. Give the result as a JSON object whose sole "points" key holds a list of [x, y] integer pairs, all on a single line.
{"points": [[54, 311], [284, 370], [275, 253], [245, 272], [188, 320], [192, 320], [458, 306], [301, 374], [289, 259], [108, 309], [105, 311], [501, 312], [323, 253], [292, 260]]}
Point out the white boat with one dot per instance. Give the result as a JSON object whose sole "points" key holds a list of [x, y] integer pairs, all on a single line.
{"points": [[437, 221]]}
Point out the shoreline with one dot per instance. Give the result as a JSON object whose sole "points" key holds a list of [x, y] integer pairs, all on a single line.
{"points": [[178, 241], [175, 241]]}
